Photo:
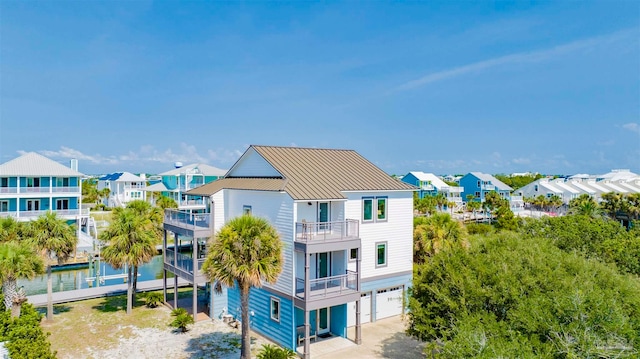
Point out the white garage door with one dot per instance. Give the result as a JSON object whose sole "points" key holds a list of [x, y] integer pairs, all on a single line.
{"points": [[365, 310], [388, 302]]}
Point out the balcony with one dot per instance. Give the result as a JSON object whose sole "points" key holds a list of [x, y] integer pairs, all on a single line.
{"points": [[62, 213], [181, 262], [37, 190], [328, 291], [427, 187], [452, 189], [488, 187], [327, 236], [195, 225], [192, 203]]}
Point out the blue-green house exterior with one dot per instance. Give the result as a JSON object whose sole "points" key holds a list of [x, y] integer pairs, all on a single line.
{"points": [[479, 184], [32, 185]]}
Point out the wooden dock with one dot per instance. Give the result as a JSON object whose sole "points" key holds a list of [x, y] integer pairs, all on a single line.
{"points": [[40, 300]]}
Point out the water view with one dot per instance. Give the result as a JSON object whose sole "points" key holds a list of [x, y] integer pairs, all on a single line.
{"points": [[76, 278]]}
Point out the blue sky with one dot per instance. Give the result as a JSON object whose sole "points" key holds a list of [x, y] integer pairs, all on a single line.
{"points": [[442, 87]]}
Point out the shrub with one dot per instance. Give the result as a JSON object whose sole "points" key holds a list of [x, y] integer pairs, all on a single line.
{"points": [[508, 297], [479, 228], [24, 337], [182, 319], [153, 299], [269, 351]]}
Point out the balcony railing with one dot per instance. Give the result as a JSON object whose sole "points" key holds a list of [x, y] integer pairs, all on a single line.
{"points": [[488, 187], [326, 231], [13, 190], [181, 261], [427, 187], [36, 214], [454, 189], [186, 219], [192, 202], [333, 286]]}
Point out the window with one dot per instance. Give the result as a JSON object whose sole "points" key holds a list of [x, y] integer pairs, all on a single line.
{"points": [[62, 182], [4, 206], [381, 254], [62, 204], [4, 182], [246, 210], [367, 209], [33, 182], [477, 194], [353, 254], [275, 309], [478, 184], [382, 208]]}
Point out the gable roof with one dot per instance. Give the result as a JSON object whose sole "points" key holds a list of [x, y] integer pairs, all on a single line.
{"points": [[494, 181], [310, 174], [435, 180], [35, 164], [200, 168]]}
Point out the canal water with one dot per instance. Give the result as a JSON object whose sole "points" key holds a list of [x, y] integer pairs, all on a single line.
{"points": [[76, 278]]}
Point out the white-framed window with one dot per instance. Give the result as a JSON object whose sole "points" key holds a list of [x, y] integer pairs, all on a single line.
{"points": [[367, 209], [381, 254], [275, 309], [477, 194], [4, 206], [33, 205], [4, 182], [478, 184], [62, 204], [353, 254], [382, 208], [246, 210], [374, 209]]}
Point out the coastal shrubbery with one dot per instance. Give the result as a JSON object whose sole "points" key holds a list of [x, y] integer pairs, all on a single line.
{"points": [[23, 336]]}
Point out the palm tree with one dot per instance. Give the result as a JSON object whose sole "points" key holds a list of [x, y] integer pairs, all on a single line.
{"points": [[584, 205], [17, 260], [130, 243], [612, 203], [246, 251], [436, 233], [53, 237]]}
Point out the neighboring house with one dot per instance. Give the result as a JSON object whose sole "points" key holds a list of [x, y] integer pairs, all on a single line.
{"points": [[124, 187], [479, 184], [430, 185], [347, 232], [32, 185], [176, 182]]}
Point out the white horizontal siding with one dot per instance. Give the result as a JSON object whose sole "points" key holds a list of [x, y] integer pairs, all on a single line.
{"points": [[251, 164], [277, 208], [397, 232], [218, 210]]}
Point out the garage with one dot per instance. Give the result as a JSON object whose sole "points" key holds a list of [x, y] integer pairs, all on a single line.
{"points": [[389, 302], [365, 310]]}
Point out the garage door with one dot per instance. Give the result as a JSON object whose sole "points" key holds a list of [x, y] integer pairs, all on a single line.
{"points": [[388, 302], [365, 310]]}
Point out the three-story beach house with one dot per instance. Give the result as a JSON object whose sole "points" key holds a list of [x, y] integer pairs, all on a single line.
{"points": [[346, 227]]}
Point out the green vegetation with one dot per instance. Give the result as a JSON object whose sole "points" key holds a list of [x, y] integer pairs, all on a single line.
{"points": [[24, 337], [153, 299], [270, 351], [131, 239], [181, 319], [247, 250], [515, 297], [54, 238], [436, 233], [516, 182]]}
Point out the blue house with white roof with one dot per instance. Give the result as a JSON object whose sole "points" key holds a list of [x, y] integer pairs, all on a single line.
{"points": [[479, 184]]}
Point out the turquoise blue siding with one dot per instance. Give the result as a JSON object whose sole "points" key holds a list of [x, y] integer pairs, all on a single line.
{"points": [[338, 323], [282, 332], [220, 303]]}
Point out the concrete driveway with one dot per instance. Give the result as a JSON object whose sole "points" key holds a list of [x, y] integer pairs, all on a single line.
{"points": [[383, 339]]}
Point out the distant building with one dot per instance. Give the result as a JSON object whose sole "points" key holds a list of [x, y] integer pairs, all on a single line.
{"points": [[124, 187], [174, 183], [431, 185]]}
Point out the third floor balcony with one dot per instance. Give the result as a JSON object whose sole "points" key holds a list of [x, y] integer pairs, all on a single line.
{"points": [[327, 236]]}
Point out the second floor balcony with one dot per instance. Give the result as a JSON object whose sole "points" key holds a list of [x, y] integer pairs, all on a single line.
{"points": [[195, 225], [488, 187], [341, 288], [327, 236], [183, 263]]}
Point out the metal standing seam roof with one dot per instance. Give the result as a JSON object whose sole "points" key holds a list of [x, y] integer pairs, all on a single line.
{"points": [[435, 180], [494, 181], [312, 173], [34, 164], [202, 168], [631, 186], [550, 186], [614, 187], [566, 187]]}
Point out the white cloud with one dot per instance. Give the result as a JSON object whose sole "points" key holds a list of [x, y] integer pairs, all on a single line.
{"points": [[523, 57], [632, 126], [521, 161]]}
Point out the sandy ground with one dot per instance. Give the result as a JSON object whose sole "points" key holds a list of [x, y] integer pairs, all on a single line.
{"points": [[206, 339]]}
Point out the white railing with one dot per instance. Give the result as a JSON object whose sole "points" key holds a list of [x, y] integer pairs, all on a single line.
{"points": [[36, 214], [488, 187], [14, 190], [333, 286], [427, 187], [323, 231], [8, 189]]}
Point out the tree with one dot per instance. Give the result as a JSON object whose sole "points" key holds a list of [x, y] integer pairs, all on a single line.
{"points": [[584, 205], [473, 205], [130, 243], [246, 251], [165, 202], [17, 260], [434, 234], [53, 237]]}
